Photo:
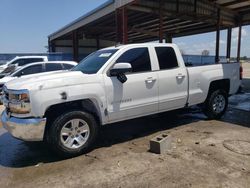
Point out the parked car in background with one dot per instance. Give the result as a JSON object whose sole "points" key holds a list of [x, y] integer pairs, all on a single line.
{"points": [[21, 61], [38, 67]]}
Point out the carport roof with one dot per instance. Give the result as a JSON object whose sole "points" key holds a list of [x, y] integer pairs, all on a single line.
{"points": [[103, 10], [179, 18]]}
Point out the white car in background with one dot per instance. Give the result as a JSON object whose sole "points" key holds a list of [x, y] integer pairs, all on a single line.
{"points": [[39, 67], [22, 61]]}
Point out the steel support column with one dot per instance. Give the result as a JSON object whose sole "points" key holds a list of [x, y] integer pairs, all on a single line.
{"points": [[160, 23], [51, 47], [239, 43], [124, 25], [97, 43], [168, 38], [217, 48], [118, 26], [229, 39], [75, 40], [195, 6]]}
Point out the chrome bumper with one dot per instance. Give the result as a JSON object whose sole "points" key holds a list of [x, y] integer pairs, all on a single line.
{"points": [[24, 129]]}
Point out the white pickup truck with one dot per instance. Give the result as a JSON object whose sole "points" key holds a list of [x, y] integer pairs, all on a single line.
{"points": [[20, 61], [114, 84]]}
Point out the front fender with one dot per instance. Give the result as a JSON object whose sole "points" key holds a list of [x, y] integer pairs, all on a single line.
{"points": [[41, 100]]}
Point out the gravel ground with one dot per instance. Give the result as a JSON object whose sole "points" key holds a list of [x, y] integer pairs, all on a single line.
{"points": [[198, 157]]}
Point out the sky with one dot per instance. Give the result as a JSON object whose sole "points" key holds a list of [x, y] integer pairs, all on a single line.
{"points": [[197, 43], [26, 24]]}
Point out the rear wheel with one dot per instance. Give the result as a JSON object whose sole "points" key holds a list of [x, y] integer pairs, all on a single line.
{"points": [[72, 133], [216, 104]]}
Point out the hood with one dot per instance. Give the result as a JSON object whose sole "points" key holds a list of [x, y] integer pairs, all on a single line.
{"points": [[50, 80], [2, 67], [6, 79]]}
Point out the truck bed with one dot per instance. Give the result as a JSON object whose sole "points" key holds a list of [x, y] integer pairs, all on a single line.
{"points": [[200, 78]]}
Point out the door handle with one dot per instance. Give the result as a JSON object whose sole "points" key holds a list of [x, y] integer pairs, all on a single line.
{"points": [[150, 80], [180, 76]]}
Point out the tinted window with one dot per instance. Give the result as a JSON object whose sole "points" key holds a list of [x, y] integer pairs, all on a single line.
{"points": [[138, 58], [29, 70], [53, 67], [166, 57], [67, 66], [92, 63], [23, 62], [17, 62]]}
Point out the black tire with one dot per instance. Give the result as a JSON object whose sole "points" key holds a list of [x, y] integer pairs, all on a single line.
{"points": [[209, 109], [54, 134]]}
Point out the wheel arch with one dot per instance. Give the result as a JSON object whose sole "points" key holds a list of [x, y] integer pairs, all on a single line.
{"points": [[90, 106], [223, 84]]}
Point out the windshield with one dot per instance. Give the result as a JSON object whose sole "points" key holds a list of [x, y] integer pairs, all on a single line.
{"points": [[92, 63]]}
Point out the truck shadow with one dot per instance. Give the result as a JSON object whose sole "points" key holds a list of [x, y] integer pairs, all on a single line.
{"points": [[16, 154], [141, 127]]}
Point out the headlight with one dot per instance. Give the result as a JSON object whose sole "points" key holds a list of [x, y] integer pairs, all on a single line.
{"points": [[18, 102]]}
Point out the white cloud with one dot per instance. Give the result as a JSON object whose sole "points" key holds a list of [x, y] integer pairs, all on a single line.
{"points": [[196, 45], [197, 48], [235, 33], [222, 42]]}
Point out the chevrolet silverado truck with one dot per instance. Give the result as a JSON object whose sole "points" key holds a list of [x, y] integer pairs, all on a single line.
{"points": [[66, 109]]}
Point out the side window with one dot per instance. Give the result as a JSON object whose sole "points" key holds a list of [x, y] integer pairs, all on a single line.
{"points": [[30, 70], [67, 66], [138, 58], [53, 67], [17, 62], [30, 60], [166, 57]]}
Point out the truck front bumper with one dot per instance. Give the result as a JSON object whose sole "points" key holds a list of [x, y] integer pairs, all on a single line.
{"points": [[25, 129]]}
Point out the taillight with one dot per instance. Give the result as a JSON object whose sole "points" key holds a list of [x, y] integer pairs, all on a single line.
{"points": [[241, 72]]}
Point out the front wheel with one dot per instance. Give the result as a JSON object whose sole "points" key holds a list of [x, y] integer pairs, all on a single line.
{"points": [[72, 133], [216, 104]]}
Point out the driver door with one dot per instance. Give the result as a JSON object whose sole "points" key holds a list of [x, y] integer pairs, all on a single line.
{"points": [[139, 94]]}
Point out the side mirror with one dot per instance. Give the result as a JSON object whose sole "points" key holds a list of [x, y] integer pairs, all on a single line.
{"points": [[120, 68], [119, 71]]}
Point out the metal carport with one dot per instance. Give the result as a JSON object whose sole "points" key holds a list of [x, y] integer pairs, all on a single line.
{"points": [[133, 21]]}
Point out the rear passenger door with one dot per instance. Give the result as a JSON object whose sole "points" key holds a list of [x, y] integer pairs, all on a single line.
{"points": [[139, 94], [173, 80]]}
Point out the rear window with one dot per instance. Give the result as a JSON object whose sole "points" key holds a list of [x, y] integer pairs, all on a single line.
{"points": [[166, 58], [23, 62]]}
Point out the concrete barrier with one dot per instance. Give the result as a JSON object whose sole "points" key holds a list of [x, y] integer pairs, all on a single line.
{"points": [[160, 144]]}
